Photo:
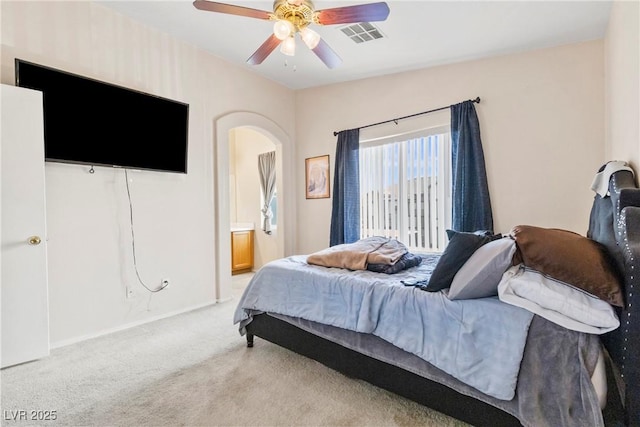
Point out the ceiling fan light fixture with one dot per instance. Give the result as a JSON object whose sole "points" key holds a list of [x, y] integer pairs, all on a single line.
{"points": [[293, 16], [282, 29], [288, 46], [310, 37]]}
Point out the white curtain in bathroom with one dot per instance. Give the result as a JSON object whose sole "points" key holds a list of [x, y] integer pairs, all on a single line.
{"points": [[267, 169]]}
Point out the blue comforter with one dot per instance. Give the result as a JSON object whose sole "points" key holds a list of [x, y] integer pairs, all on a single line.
{"points": [[480, 342]]}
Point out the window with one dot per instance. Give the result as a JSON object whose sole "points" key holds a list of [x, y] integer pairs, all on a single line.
{"points": [[273, 206], [274, 209], [405, 189]]}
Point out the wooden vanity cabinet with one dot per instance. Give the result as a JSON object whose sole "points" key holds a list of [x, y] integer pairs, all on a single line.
{"points": [[241, 251]]}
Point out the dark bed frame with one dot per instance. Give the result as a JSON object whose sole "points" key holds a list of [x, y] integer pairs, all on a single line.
{"points": [[614, 222]]}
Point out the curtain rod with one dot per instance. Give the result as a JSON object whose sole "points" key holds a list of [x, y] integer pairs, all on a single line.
{"points": [[477, 101]]}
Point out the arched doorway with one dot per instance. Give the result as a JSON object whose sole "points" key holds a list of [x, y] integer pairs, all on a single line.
{"points": [[286, 192]]}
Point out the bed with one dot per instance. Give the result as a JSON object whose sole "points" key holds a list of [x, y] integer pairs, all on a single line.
{"points": [[530, 380]]}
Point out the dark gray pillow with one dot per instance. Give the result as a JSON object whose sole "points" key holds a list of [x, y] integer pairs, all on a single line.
{"points": [[460, 248]]}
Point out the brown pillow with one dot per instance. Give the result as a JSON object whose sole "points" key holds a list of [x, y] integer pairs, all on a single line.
{"points": [[571, 258]]}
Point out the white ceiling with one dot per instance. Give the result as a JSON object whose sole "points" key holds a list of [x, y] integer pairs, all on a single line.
{"points": [[417, 34]]}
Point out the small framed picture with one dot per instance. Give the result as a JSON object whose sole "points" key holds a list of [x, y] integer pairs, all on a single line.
{"points": [[317, 177]]}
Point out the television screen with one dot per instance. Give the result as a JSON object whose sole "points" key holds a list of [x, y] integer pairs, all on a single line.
{"points": [[95, 123]]}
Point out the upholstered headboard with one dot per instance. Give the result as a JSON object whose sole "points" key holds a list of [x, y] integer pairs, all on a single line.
{"points": [[615, 222]]}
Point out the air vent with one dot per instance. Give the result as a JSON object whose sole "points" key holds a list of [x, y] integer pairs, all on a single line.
{"points": [[362, 32]]}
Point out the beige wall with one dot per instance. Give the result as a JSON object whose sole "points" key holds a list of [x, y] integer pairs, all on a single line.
{"points": [[233, 205], [89, 247], [541, 119], [622, 82], [248, 144]]}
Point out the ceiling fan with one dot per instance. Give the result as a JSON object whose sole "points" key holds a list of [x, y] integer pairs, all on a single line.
{"points": [[295, 16]]}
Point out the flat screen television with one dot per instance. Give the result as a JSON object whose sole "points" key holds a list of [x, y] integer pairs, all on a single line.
{"points": [[90, 122]]}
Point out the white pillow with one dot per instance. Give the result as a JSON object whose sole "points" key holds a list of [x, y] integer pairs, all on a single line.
{"points": [[556, 301], [480, 275]]}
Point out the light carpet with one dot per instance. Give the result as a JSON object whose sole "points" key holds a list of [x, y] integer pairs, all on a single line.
{"points": [[194, 369]]}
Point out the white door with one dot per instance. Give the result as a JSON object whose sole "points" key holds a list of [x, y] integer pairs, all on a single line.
{"points": [[23, 296]]}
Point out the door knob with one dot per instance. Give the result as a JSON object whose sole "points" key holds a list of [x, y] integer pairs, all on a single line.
{"points": [[34, 240]]}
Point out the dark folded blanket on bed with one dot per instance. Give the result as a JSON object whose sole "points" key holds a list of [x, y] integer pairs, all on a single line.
{"points": [[407, 260]]}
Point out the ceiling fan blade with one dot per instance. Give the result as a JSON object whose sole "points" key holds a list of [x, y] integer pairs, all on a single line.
{"points": [[264, 50], [213, 6], [349, 14], [327, 55]]}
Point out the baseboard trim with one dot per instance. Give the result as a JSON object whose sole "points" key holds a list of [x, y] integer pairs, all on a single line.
{"points": [[130, 325]]}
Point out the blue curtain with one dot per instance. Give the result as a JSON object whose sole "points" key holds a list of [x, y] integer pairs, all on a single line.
{"points": [[470, 191], [345, 214]]}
